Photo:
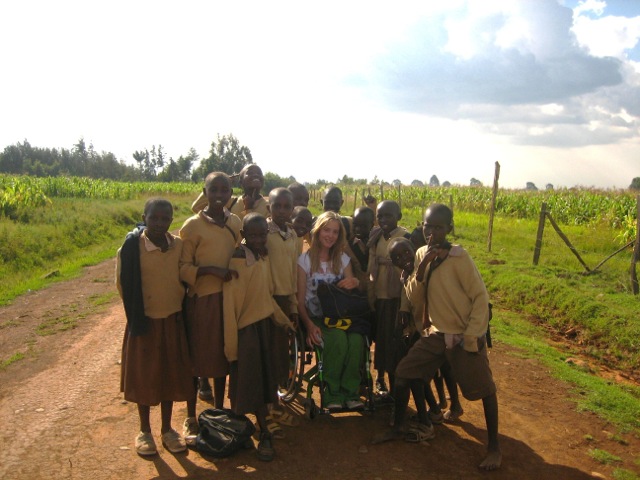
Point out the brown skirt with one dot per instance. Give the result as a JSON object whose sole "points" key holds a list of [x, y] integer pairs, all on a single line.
{"points": [[386, 314], [205, 332], [251, 381], [156, 366]]}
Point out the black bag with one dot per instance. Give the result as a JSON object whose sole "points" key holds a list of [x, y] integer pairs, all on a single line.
{"points": [[345, 309], [222, 432]]}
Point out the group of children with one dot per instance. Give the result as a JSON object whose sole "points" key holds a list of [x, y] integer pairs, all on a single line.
{"points": [[220, 299]]}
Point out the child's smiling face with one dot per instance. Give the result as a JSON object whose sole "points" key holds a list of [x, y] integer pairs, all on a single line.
{"points": [[302, 223], [402, 257], [388, 215], [218, 192], [252, 179]]}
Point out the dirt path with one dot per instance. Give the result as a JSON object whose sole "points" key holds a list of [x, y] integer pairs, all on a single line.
{"points": [[63, 416]]}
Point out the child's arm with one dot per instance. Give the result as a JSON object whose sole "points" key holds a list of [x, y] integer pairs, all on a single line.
{"points": [[349, 282], [314, 335], [475, 289], [118, 273], [233, 295]]}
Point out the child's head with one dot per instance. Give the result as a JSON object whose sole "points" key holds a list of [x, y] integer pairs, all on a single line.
{"points": [[157, 216], [300, 194], [388, 214], [280, 206], [402, 253], [363, 219], [438, 222], [251, 179], [254, 230], [302, 221], [217, 189], [332, 199]]}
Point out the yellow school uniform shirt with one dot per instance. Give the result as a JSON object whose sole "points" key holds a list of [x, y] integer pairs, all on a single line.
{"points": [[381, 269], [283, 257], [248, 298], [207, 244], [457, 298], [162, 290]]}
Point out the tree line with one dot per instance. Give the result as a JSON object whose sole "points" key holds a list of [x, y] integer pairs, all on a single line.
{"points": [[226, 154]]}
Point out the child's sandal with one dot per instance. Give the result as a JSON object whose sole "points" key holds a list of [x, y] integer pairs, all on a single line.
{"points": [[286, 418], [274, 429]]}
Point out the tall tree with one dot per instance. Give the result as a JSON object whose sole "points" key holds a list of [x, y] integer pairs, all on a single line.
{"points": [[635, 184], [434, 182], [226, 155]]}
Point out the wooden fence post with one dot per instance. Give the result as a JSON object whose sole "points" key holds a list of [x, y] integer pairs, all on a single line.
{"points": [[543, 214], [381, 191], [453, 227], [355, 199], [566, 241], [496, 176], [635, 258], [400, 196]]}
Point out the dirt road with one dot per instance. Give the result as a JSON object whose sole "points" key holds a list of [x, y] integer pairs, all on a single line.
{"points": [[63, 416]]}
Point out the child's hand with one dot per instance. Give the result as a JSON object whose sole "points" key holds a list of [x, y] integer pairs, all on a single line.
{"points": [[370, 201], [404, 275], [314, 336], [224, 274], [422, 268], [229, 275], [249, 200], [348, 283], [404, 318]]}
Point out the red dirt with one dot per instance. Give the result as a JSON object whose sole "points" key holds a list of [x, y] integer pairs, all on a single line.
{"points": [[63, 415]]}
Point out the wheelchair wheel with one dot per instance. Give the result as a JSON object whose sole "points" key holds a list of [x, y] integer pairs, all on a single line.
{"points": [[290, 388]]}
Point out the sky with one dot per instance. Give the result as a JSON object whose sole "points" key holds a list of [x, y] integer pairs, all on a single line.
{"points": [[403, 90]]}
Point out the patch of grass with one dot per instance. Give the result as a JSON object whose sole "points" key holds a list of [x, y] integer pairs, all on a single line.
{"points": [[71, 234], [105, 298], [622, 474], [604, 457], [16, 357], [58, 324]]}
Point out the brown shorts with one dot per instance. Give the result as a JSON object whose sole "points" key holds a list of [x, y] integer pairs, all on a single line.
{"points": [[471, 370]]}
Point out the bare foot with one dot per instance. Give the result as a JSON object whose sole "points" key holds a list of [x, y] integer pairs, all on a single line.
{"points": [[492, 461]]}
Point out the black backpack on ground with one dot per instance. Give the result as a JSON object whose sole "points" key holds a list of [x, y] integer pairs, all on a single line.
{"points": [[222, 432]]}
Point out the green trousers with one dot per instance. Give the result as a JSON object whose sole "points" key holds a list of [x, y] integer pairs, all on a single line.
{"points": [[343, 353]]}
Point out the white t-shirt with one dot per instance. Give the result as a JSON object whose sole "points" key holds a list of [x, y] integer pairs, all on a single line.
{"points": [[325, 274]]}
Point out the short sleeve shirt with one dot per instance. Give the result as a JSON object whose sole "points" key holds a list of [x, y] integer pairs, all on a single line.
{"points": [[313, 279]]}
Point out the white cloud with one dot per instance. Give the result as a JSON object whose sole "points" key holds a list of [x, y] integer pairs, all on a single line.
{"points": [[502, 68]]}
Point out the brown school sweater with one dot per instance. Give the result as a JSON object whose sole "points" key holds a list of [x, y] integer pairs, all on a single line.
{"points": [[458, 301], [248, 298], [207, 244], [162, 291], [283, 258], [385, 277]]}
